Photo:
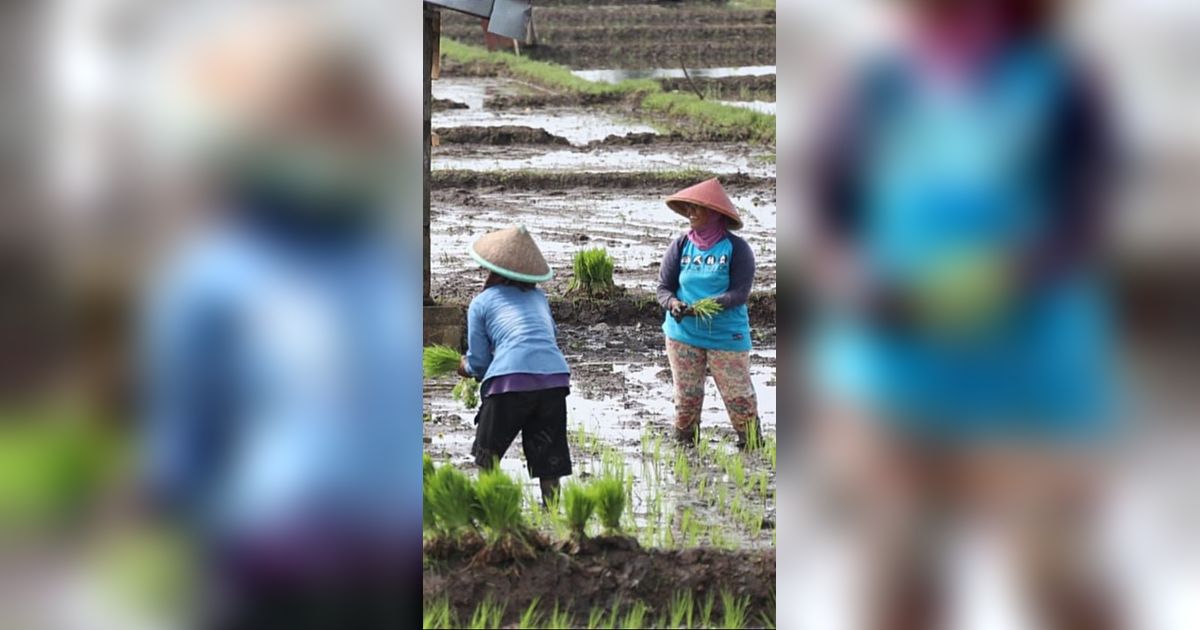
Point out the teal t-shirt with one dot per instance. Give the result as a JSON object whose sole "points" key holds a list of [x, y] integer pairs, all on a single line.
{"points": [[705, 273]]}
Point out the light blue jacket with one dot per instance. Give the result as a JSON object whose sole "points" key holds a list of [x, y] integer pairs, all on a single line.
{"points": [[511, 331], [282, 386]]}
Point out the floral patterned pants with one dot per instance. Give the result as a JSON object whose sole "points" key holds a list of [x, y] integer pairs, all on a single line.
{"points": [[731, 371]]}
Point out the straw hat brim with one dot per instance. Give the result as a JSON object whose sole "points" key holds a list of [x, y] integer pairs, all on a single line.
{"points": [[510, 274], [512, 253], [675, 202]]}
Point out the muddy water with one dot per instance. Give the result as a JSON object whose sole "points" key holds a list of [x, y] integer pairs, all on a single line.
{"points": [[618, 75], [620, 409], [762, 107], [635, 227], [720, 160]]}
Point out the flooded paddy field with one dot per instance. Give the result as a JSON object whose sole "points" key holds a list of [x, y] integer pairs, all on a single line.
{"points": [[586, 170]]}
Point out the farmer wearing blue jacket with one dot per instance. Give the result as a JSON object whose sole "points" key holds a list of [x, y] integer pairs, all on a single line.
{"points": [[513, 351], [709, 261]]}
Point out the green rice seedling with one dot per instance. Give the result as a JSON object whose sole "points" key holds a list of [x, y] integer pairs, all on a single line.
{"points": [[683, 470], [706, 308], [438, 615], [706, 609], [489, 614], [440, 360], [452, 500], [499, 504], [466, 392], [559, 618], [635, 616], [580, 504], [593, 272], [426, 466], [734, 610], [531, 618], [595, 619], [609, 493], [681, 610]]}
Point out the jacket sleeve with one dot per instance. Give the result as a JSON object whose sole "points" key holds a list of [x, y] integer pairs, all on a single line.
{"points": [[668, 272], [479, 343], [741, 275], [188, 400]]}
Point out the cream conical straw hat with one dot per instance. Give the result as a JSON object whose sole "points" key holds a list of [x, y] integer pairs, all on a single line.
{"points": [[512, 253]]}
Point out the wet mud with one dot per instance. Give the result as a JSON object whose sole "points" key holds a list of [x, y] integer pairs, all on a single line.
{"points": [[605, 577], [502, 135]]}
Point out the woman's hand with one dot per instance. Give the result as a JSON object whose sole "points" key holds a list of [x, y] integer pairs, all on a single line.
{"points": [[463, 370], [678, 309]]}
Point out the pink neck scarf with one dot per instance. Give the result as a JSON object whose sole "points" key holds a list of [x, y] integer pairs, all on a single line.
{"points": [[710, 234]]}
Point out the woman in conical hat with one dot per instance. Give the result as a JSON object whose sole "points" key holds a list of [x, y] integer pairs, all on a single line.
{"points": [[961, 357], [709, 261], [513, 351]]}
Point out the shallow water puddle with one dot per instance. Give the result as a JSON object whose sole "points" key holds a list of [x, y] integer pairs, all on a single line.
{"points": [[578, 126], [762, 107], [618, 75], [472, 91]]}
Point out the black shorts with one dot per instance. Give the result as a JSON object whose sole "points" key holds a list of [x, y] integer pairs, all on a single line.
{"points": [[541, 419]]}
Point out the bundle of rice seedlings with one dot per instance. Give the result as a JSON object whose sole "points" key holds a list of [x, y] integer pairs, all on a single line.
{"points": [[451, 500], [427, 514], [467, 393], [593, 272], [706, 308], [580, 505], [498, 505], [609, 494], [440, 360]]}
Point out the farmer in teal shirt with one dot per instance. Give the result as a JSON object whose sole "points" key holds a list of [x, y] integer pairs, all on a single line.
{"points": [[709, 261]]}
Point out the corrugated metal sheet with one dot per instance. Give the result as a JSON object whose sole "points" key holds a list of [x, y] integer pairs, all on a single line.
{"points": [[507, 18]]}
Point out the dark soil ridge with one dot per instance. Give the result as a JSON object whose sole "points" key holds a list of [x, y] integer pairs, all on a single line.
{"points": [[667, 14], [505, 135], [597, 54], [664, 181], [605, 576], [756, 88], [501, 135], [443, 104]]}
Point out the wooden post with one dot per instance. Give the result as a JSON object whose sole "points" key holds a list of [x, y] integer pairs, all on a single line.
{"points": [[432, 37]]}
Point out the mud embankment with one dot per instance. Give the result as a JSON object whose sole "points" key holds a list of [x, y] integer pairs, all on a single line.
{"points": [[602, 578]]}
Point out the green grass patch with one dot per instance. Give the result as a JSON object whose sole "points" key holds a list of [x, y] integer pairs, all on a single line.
{"points": [[713, 118], [550, 75]]}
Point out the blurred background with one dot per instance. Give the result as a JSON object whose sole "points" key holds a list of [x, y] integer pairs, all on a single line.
{"points": [[111, 165], [1146, 53]]}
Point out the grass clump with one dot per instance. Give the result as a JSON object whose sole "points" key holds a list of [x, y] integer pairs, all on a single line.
{"points": [[593, 272], [580, 504], [548, 74], [440, 360], [714, 119], [609, 495]]}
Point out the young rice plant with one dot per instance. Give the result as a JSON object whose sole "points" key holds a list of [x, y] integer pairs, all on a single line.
{"points": [[440, 360]]}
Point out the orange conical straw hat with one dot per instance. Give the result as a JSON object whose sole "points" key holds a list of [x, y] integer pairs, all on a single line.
{"points": [[512, 253], [709, 194]]}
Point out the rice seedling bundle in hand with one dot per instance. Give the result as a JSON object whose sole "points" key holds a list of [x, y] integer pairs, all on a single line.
{"points": [[580, 504], [451, 500], [440, 360], [593, 272], [609, 494], [706, 308], [467, 392]]}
